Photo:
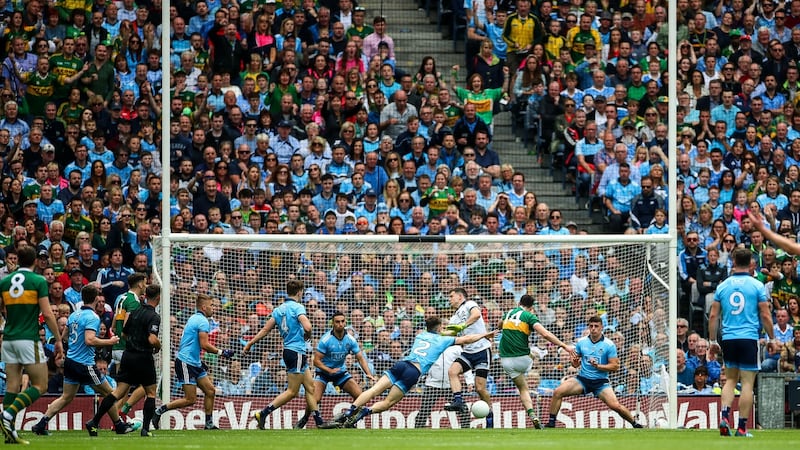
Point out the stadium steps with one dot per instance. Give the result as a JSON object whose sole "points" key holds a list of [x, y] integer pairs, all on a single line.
{"points": [[415, 36]]}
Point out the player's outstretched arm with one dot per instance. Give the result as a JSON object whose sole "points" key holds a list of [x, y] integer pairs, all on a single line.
{"points": [[260, 335], [470, 338], [783, 243], [545, 333]]}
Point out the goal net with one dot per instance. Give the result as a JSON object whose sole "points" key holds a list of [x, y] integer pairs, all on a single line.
{"points": [[386, 286]]}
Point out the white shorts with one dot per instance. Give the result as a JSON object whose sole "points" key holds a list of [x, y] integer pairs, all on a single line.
{"points": [[116, 356], [515, 366], [23, 352]]}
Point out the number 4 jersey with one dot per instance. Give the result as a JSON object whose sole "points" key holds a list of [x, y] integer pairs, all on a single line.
{"points": [[21, 291]]}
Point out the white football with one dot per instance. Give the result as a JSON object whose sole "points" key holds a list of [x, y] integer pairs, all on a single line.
{"points": [[136, 423], [480, 409]]}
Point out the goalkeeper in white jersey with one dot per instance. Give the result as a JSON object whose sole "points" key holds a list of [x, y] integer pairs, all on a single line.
{"points": [[476, 356]]}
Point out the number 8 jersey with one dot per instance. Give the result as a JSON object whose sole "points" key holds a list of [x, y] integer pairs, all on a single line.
{"points": [[739, 296], [21, 291]]}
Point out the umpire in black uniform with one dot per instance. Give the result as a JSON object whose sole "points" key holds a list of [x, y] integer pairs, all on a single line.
{"points": [[137, 367]]}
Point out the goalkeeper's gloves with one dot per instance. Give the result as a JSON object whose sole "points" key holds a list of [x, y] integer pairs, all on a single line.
{"points": [[227, 353], [457, 327]]}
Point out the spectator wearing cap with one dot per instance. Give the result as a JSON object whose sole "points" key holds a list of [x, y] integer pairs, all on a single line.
{"points": [[372, 42], [284, 145], [329, 223], [369, 207]]}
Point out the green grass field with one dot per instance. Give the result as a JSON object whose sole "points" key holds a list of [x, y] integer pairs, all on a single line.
{"points": [[422, 439]]}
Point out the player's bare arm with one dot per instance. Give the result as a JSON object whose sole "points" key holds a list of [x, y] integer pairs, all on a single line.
{"points": [[260, 335]]}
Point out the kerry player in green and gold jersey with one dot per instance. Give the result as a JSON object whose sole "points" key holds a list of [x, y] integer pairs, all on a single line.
{"points": [[23, 295], [515, 350]]}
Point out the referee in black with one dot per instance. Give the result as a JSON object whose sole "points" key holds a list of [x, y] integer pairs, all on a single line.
{"points": [[137, 366]]}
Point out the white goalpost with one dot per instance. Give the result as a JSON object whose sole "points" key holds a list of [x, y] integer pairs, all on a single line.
{"points": [[387, 285]]}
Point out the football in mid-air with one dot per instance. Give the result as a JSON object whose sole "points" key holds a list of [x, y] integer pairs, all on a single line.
{"points": [[480, 409]]}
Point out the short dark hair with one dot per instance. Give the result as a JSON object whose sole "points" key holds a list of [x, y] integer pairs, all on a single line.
{"points": [[89, 294], [433, 323], [526, 301]]}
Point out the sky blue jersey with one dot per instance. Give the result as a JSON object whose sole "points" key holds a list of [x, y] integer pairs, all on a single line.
{"points": [[335, 350], [287, 320], [601, 351], [189, 350], [78, 322], [738, 297], [427, 348]]}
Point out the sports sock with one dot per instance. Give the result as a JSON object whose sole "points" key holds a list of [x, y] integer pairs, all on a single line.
{"points": [[148, 411], [268, 410], [8, 399], [209, 419], [551, 420], [105, 405], [23, 400], [457, 397], [530, 413], [742, 424], [726, 412], [162, 409], [125, 408]]}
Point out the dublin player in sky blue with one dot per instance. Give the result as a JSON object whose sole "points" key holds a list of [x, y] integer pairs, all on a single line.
{"points": [[427, 348], [742, 303], [79, 365], [596, 356], [190, 370], [292, 322], [329, 357]]}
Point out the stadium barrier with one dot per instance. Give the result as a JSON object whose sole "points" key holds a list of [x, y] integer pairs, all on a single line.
{"points": [[696, 412]]}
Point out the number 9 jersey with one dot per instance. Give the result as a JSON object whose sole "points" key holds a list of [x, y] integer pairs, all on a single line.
{"points": [[739, 296]]}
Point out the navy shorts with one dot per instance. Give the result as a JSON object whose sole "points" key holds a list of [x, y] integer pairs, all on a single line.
{"points": [[404, 375], [77, 373], [189, 374], [338, 379], [476, 361], [295, 362], [741, 354], [594, 387]]}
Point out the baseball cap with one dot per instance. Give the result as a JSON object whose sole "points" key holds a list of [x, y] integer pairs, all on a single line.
{"points": [[43, 252], [116, 106], [606, 16], [600, 98], [48, 148], [74, 270], [29, 202], [370, 193], [629, 124], [663, 99], [330, 212], [572, 224], [627, 15], [746, 37], [284, 123]]}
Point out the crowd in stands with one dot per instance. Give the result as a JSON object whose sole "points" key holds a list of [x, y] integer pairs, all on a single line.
{"points": [[298, 118]]}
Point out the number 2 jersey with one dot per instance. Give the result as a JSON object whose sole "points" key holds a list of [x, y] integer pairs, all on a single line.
{"points": [[738, 297], [479, 327], [21, 291], [427, 348]]}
